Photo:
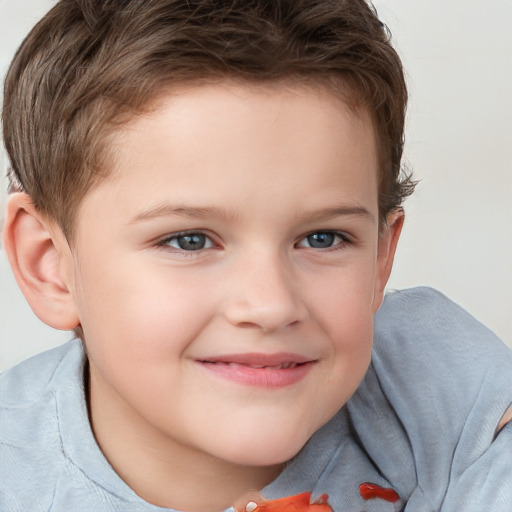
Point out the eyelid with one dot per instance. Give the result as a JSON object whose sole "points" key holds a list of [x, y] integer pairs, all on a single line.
{"points": [[345, 238], [163, 242]]}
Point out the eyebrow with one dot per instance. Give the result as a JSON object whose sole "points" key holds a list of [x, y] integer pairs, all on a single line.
{"points": [[215, 212], [337, 211], [192, 212]]}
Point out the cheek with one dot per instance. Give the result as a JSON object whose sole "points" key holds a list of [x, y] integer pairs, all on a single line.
{"points": [[146, 316], [343, 310], [137, 329], [343, 304]]}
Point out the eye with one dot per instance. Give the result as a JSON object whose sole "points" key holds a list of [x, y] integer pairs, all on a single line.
{"points": [[188, 242], [323, 240]]}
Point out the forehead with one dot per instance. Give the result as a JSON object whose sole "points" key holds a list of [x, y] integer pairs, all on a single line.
{"points": [[228, 142]]}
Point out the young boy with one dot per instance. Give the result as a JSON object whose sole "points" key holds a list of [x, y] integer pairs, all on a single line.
{"points": [[209, 193]]}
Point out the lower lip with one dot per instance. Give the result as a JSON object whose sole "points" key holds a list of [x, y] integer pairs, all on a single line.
{"points": [[270, 378]]}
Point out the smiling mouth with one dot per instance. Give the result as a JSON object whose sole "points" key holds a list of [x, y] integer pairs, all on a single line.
{"points": [[282, 366], [260, 370]]}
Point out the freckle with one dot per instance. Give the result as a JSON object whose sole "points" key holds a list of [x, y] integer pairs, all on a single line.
{"points": [[251, 506]]}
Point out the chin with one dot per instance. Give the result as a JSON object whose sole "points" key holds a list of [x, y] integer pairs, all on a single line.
{"points": [[265, 452], [264, 459]]}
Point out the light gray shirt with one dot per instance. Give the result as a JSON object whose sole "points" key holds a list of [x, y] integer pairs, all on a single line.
{"points": [[423, 422]]}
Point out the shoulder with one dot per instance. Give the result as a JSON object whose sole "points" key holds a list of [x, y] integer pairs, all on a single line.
{"points": [[437, 388], [49, 459], [29, 381], [424, 314], [422, 336], [31, 454]]}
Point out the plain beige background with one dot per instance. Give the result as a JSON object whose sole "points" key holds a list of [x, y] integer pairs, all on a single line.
{"points": [[458, 234]]}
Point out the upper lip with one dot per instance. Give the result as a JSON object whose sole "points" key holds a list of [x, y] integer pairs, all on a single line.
{"points": [[255, 359]]}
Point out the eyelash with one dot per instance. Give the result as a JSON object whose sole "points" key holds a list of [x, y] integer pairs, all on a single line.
{"points": [[343, 241], [176, 236]]}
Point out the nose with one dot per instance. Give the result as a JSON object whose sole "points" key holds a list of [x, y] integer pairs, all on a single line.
{"points": [[263, 294]]}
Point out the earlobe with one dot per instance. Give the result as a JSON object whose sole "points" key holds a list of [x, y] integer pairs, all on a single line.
{"points": [[36, 250], [388, 241]]}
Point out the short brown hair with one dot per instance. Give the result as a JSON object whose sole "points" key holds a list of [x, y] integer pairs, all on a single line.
{"points": [[89, 65]]}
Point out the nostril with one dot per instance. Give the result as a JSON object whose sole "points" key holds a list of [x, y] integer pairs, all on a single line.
{"points": [[266, 315]]}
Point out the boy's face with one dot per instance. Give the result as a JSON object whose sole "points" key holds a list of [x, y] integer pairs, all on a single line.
{"points": [[227, 273]]}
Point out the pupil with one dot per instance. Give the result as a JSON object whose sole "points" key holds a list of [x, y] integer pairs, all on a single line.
{"points": [[321, 240], [193, 242]]}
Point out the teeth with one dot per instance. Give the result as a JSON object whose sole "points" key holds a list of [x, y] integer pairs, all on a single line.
{"points": [[282, 366]]}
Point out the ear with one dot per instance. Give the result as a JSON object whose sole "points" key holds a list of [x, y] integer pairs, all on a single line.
{"points": [[388, 241], [41, 261]]}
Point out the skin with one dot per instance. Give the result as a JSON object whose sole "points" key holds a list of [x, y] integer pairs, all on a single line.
{"points": [[261, 173]]}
